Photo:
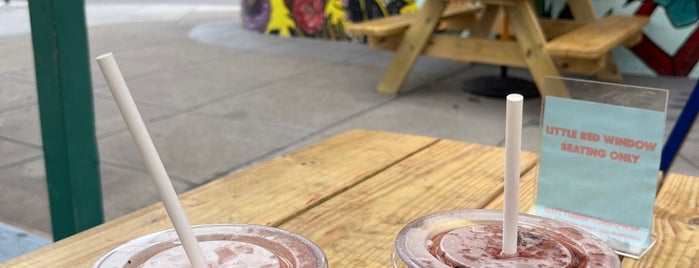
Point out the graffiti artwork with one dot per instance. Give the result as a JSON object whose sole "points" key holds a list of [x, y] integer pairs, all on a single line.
{"points": [[680, 12], [678, 60], [316, 18], [670, 44]]}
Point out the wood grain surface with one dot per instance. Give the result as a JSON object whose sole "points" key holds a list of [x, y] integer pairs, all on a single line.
{"points": [[399, 23], [414, 41], [595, 39], [352, 193], [676, 224], [358, 227], [531, 41], [267, 194]]}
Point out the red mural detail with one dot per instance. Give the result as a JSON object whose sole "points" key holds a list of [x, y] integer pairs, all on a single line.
{"points": [[652, 55], [688, 55], [309, 15], [679, 65], [647, 8]]}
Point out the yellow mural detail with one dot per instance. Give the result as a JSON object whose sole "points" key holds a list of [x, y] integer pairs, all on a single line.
{"points": [[410, 7], [382, 7], [280, 20], [335, 12]]}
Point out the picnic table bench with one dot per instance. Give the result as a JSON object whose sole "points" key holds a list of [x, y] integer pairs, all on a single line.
{"points": [[547, 47]]}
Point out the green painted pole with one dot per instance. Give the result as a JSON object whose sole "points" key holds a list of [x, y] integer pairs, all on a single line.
{"points": [[61, 59]]}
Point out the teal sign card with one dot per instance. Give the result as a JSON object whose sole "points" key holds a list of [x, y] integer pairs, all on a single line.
{"points": [[599, 169]]}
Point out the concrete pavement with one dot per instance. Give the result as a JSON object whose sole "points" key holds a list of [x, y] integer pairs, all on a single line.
{"points": [[217, 99]]}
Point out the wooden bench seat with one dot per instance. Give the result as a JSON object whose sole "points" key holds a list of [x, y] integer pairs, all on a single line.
{"points": [[595, 40], [397, 24], [546, 47]]}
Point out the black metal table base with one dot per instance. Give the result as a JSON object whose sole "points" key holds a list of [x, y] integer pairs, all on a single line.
{"points": [[500, 86]]}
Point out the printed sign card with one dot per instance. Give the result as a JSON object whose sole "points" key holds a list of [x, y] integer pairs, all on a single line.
{"points": [[600, 155]]}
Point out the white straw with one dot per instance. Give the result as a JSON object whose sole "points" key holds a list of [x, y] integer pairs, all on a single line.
{"points": [[513, 140], [150, 156]]}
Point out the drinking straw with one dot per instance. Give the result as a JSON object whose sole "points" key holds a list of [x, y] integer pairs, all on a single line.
{"points": [[513, 140], [150, 156]]}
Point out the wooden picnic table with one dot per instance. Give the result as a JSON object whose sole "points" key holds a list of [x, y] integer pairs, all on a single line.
{"points": [[546, 47], [353, 192]]}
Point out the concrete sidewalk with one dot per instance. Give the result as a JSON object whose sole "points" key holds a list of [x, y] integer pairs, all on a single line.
{"points": [[218, 99]]}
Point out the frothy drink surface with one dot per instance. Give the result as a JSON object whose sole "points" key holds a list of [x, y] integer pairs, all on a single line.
{"points": [[221, 254], [481, 246], [473, 238], [223, 245]]}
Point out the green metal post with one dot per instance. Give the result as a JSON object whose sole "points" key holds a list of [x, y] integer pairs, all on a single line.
{"points": [[61, 58]]}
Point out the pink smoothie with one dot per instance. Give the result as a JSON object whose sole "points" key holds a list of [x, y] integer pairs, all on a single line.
{"points": [[473, 238], [222, 254], [223, 246]]}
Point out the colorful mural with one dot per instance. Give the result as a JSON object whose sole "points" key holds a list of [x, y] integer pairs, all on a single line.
{"points": [[679, 57], [670, 44], [316, 18], [680, 12]]}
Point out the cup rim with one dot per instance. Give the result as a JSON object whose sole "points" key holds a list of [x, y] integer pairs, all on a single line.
{"points": [[131, 252], [428, 226]]}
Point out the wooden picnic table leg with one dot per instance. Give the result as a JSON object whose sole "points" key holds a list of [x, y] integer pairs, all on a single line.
{"points": [[485, 23], [583, 11], [531, 41], [411, 46]]}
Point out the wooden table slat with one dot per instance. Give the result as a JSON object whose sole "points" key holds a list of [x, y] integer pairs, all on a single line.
{"points": [[299, 181], [352, 193], [446, 176], [676, 223]]}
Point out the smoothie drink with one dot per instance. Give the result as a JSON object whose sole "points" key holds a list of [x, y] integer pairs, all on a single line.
{"points": [[223, 246], [473, 238]]}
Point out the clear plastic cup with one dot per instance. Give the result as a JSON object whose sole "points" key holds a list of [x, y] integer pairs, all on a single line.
{"points": [[225, 245], [473, 238]]}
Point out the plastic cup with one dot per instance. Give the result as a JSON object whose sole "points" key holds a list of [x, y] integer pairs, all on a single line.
{"points": [[225, 245], [473, 238]]}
